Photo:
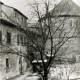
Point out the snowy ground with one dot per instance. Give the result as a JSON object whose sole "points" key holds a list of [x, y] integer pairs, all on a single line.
{"points": [[26, 76], [34, 76]]}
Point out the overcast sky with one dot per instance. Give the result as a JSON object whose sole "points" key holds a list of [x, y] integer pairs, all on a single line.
{"points": [[22, 5]]}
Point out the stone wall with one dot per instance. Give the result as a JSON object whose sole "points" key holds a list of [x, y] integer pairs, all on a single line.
{"points": [[9, 51]]}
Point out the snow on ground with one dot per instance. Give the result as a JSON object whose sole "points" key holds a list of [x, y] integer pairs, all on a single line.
{"points": [[34, 76]]}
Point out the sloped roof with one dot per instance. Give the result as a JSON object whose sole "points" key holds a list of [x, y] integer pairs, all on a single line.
{"points": [[1, 2], [20, 12], [14, 9], [66, 7]]}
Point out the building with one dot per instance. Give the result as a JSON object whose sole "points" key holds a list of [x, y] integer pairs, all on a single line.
{"points": [[66, 16], [68, 12], [71, 13], [12, 42]]}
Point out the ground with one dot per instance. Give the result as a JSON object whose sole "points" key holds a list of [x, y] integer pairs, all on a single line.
{"points": [[35, 76]]}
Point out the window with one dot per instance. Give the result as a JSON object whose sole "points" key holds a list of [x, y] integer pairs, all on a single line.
{"points": [[7, 62], [70, 22], [25, 21], [25, 40], [22, 19], [20, 60], [8, 38], [21, 39], [77, 23], [0, 37], [15, 14], [18, 39]]}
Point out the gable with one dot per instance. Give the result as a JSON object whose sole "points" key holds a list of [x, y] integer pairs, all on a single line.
{"points": [[66, 7]]}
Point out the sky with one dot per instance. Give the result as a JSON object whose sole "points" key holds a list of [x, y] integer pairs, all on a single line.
{"points": [[22, 5]]}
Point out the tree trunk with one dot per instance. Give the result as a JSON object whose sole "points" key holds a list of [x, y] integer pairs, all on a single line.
{"points": [[45, 75]]}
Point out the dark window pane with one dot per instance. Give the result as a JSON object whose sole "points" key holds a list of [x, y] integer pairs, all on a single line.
{"points": [[21, 39], [18, 39], [7, 62], [8, 38], [0, 37]]}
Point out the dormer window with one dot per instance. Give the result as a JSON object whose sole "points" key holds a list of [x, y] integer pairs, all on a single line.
{"points": [[15, 14]]}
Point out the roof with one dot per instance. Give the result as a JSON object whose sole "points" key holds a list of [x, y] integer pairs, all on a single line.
{"points": [[20, 13], [10, 24], [14, 9], [66, 7], [1, 2]]}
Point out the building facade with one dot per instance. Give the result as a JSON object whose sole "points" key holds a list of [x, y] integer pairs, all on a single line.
{"points": [[12, 42], [66, 16]]}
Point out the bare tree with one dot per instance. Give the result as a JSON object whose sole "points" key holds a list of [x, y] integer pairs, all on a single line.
{"points": [[70, 69], [49, 31]]}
